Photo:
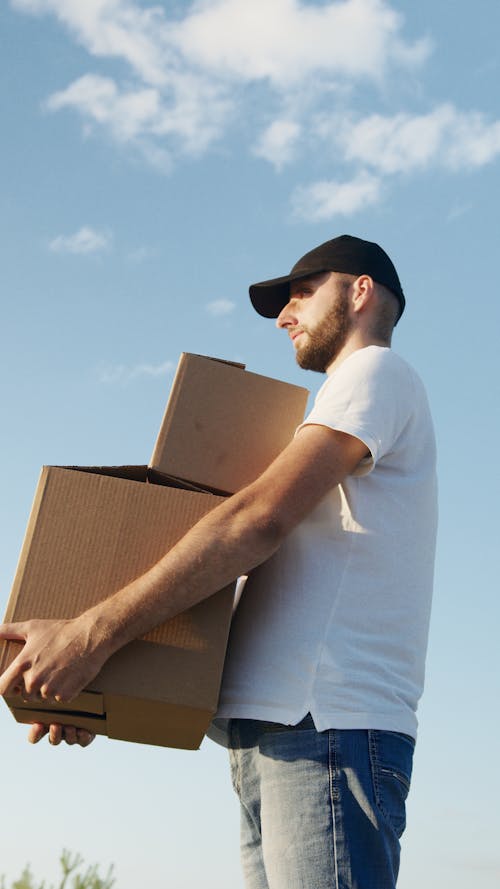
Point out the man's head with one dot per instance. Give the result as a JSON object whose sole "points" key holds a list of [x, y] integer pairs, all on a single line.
{"points": [[345, 286], [346, 254]]}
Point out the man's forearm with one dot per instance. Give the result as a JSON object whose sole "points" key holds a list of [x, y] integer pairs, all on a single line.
{"points": [[231, 540], [239, 534]]}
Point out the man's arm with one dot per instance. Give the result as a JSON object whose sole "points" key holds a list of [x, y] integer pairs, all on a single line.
{"points": [[59, 658]]}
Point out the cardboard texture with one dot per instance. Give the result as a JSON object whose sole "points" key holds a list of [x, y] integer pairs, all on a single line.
{"points": [[89, 534], [94, 529], [223, 426]]}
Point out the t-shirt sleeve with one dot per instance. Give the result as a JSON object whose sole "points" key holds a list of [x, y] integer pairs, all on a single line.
{"points": [[370, 397]]}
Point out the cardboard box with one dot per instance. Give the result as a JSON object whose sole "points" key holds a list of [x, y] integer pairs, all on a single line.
{"points": [[89, 534], [94, 529], [223, 426]]}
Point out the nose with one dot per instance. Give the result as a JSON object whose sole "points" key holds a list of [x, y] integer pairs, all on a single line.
{"points": [[286, 316]]}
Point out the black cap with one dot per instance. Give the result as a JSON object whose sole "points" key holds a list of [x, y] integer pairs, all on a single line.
{"points": [[346, 254]]}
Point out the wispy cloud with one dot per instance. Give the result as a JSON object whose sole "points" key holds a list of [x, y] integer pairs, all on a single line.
{"points": [[220, 307], [376, 148], [287, 42], [188, 72], [404, 143], [142, 254], [121, 373], [277, 144], [85, 240], [324, 200], [191, 77], [457, 211]]}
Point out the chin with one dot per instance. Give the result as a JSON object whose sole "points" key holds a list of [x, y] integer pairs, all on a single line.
{"points": [[311, 362]]}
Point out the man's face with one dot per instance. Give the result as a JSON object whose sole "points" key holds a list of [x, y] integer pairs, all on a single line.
{"points": [[317, 319]]}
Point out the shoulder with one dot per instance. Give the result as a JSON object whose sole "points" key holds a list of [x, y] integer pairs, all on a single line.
{"points": [[374, 367], [373, 359], [373, 395]]}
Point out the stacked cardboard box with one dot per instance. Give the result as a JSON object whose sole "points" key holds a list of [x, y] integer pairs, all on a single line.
{"points": [[93, 529]]}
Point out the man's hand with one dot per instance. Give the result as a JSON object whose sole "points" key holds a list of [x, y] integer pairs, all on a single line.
{"points": [[58, 659], [57, 733], [56, 662]]}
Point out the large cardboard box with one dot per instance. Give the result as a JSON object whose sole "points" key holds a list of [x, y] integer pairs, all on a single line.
{"points": [[223, 425], [92, 530], [89, 534]]}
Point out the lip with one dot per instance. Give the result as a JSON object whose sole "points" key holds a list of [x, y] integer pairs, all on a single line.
{"points": [[297, 333]]}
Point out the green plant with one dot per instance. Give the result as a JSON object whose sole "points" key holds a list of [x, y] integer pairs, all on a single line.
{"points": [[70, 879]]}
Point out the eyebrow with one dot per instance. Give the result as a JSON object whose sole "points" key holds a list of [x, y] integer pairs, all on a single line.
{"points": [[305, 282]]}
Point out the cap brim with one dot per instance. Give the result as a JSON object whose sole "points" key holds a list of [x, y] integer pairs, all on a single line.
{"points": [[270, 297]]}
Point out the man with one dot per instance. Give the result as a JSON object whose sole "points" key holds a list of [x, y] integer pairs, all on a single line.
{"points": [[326, 658]]}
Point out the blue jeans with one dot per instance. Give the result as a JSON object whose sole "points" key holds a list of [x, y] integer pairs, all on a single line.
{"points": [[319, 810]]}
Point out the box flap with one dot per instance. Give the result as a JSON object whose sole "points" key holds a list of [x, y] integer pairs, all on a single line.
{"points": [[132, 472], [220, 360]]}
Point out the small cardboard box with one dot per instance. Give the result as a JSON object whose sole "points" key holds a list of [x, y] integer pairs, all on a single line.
{"points": [[89, 534], [223, 426]]}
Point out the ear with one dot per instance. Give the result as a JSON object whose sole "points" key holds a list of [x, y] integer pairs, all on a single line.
{"points": [[363, 290]]}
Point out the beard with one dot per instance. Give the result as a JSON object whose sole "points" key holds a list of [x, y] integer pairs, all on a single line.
{"points": [[325, 342]]}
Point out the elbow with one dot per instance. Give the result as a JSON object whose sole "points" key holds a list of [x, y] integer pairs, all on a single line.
{"points": [[269, 527], [261, 523]]}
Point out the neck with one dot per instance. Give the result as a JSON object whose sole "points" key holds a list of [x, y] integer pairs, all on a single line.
{"points": [[357, 340]]}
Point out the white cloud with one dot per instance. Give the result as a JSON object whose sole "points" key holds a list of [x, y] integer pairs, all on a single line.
{"points": [[127, 113], [283, 41], [278, 142], [142, 254], [406, 143], [324, 200], [220, 307], [379, 147], [189, 71], [473, 141], [143, 118], [120, 373], [85, 240], [288, 41], [457, 211], [112, 28]]}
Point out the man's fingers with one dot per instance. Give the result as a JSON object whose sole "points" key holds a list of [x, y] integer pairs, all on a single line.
{"points": [[69, 734], [73, 735], [84, 737], [58, 733], [55, 734], [37, 732], [12, 679], [15, 632]]}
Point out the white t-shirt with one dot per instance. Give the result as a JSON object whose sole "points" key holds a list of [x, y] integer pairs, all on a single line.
{"points": [[336, 622]]}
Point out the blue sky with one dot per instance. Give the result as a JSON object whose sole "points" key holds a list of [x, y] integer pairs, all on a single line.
{"points": [[155, 161]]}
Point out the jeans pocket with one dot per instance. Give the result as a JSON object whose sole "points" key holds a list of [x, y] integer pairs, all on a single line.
{"points": [[391, 758]]}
